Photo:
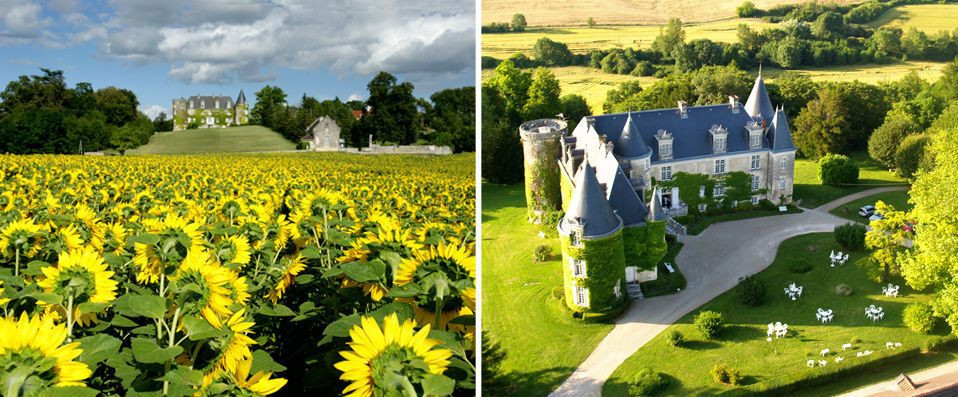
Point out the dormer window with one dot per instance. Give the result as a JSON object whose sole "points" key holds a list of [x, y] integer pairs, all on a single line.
{"points": [[719, 137], [754, 131], [665, 144]]}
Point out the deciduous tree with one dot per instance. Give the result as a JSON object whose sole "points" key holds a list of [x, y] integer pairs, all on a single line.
{"points": [[886, 239]]}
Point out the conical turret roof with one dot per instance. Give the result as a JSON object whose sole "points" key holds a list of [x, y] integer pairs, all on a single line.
{"points": [[630, 143], [758, 104], [656, 213], [781, 135], [241, 99], [589, 207]]}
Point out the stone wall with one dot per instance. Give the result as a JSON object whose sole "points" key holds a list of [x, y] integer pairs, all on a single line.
{"points": [[540, 148]]}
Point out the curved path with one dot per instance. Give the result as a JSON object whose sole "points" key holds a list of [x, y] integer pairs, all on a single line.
{"points": [[712, 263]]}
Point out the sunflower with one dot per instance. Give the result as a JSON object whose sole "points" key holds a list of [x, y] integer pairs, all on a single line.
{"points": [[65, 239], [448, 262], [388, 238], [234, 250], [201, 270], [19, 235], [380, 354], [81, 275], [232, 349], [148, 256], [109, 238], [291, 267], [259, 383], [33, 343]]}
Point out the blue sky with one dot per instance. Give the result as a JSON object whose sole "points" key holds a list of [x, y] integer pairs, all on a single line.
{"points": [[167, 49]]}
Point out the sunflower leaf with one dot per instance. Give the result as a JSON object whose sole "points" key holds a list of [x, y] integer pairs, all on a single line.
{"points": [[403, 311], [148, 305], [438, 385], [69, 391], [464, 320], [276, 311], [263, 362], [404, 291], [183, 376], [364, 271], [50, 298], [311, 252], [340, 328], [198, 328], [148, 352], [120, 321], [97, 348], [33, 268], [150, 239], [337, 237], [92, 307]]}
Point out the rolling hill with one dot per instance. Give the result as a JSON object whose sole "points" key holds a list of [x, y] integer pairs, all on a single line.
{"points": [[247, 138]]}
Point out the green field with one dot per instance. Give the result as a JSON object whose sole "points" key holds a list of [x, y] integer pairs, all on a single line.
{"points": [[743, 346], [812, 193], [543, 344], [928, 18], [897, 199], [248, 138]]}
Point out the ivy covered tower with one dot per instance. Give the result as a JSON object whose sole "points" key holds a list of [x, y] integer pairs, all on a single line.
{"points": [[540, 148], [593, 254]]}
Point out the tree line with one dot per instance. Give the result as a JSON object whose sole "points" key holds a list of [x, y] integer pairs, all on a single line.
{"points": [[40, 114], [392, 115], [518, 25]]}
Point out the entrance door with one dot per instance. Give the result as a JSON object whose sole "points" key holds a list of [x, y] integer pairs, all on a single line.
{"points": [[630, 274], [667, 200]]}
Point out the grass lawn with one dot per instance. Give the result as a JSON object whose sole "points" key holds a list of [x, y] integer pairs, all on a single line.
{"points": [[928, 18], [666, 283], [742, 343], [812, 193], [897, 199], [542, 342], [703, 223], [247, 138]]}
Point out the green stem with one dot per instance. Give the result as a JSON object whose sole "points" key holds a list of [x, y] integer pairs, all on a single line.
{"points": [[70, 318], [196, 350], [172, 342], [16, 270], [408, 388]]}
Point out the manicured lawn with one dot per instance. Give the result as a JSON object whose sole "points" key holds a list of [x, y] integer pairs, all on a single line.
{"points": [[812, 193], [703, 223], [542, 342], [248, 138], [897, 199], [742, 343]]}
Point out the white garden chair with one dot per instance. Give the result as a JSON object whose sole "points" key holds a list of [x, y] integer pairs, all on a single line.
{"points": [[846, 346]]}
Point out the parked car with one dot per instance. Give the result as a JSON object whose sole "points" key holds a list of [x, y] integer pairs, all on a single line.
{"points": [[909, 226], [866, 211], [875, 216]]}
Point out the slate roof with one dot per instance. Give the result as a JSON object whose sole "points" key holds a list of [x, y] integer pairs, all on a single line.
{"points": [[781, 136], [241, 99], [690, 135], [630, 143], [622, 196], [209, 102], [589, 205], [758, 104]]}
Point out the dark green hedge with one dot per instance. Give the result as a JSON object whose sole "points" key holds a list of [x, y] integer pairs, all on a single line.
{"points": [[810, 377]]}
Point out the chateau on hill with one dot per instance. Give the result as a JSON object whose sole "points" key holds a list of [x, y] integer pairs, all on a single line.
{"points": [[689, 159], [210, 111]]}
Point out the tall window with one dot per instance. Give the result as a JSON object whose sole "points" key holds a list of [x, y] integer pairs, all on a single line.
{"points": [[719, 190], [781, 183], [576, 241], [754, 182], [667, 173], [580, 296], [784, 162], [720, 166], [756, 140], [665, 149], [701, 191], [755, 162], [578, 267], [754, 200], [719, 144]]}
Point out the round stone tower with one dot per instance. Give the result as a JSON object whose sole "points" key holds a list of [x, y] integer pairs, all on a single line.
{"points": [[540, 148]]}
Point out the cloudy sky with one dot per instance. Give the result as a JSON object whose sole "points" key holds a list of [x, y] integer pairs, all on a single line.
{"points": [[165, 49]]}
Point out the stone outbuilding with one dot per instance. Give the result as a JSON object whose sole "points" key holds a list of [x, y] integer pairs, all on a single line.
{"points": [[322, 135]]}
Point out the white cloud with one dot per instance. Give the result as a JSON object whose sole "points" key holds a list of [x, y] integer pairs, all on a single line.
{"points": [[154, 110], [356, 97]]}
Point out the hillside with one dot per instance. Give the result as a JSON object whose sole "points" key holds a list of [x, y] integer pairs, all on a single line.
{"points": [[928, 18], [249, 138], [617, 12]]}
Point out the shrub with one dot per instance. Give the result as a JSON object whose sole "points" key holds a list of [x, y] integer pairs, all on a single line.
{"points": [[646, 382], [541, 253], [910, 153], [850, 235], [919, 317], [938, 344], [844, 290], [751, 291], [674, 338], [551, 218], [836, 169], [884, 142], [746, 10], [800, 265], [708, 323], [723, 374]]}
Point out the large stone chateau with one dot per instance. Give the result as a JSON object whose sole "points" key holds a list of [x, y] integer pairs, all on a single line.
{"points": [[210, 111]]}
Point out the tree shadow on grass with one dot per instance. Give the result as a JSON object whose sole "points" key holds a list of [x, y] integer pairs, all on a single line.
{"points": [[740, 333], [532, 383], [700, 345]]}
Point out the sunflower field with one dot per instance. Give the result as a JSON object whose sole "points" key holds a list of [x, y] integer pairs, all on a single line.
{"points": [[294, 274]]}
